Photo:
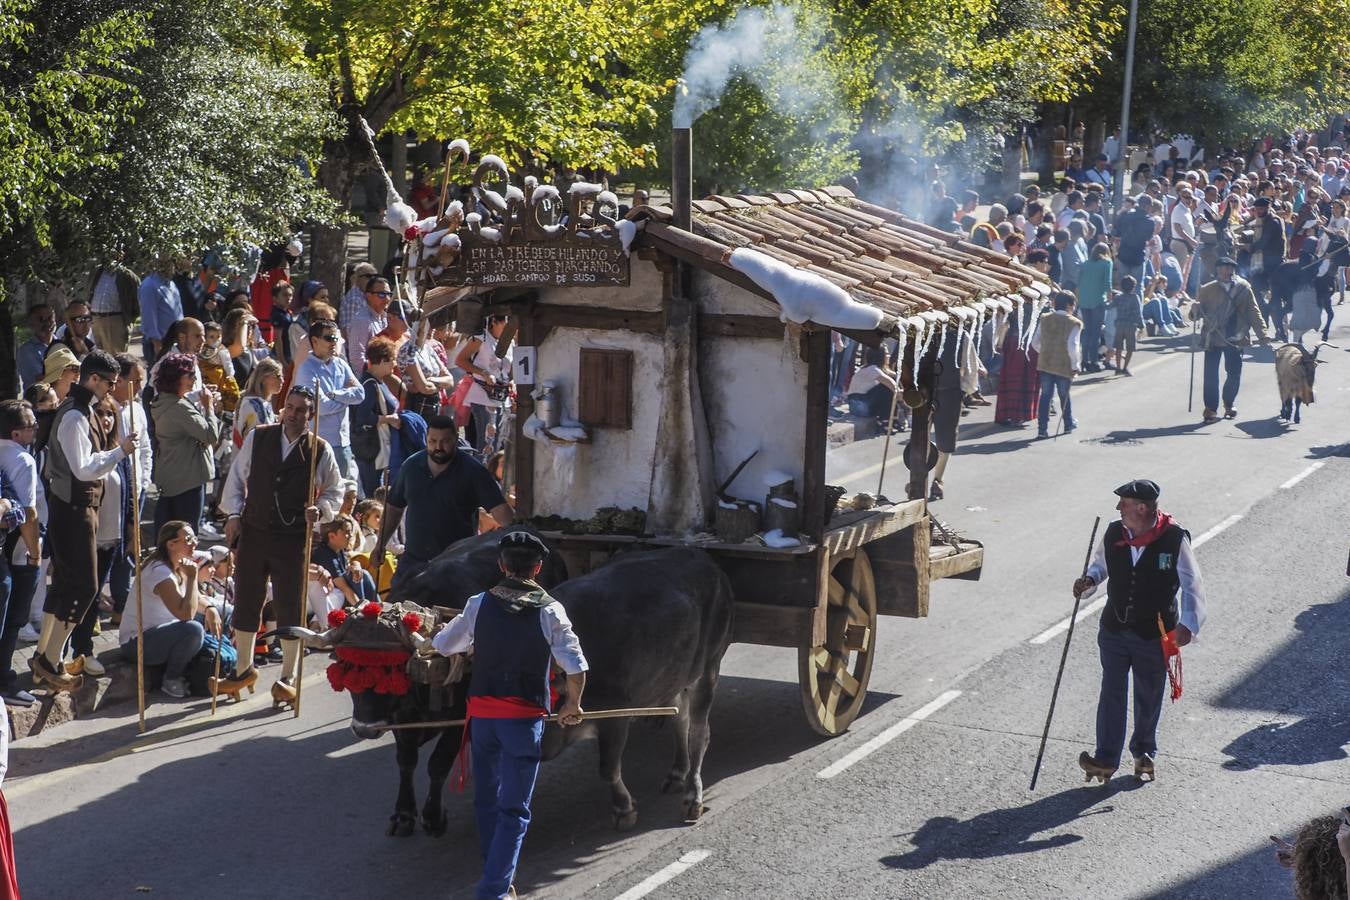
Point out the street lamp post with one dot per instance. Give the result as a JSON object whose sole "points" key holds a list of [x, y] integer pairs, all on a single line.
{"points": [[1125, 106]]}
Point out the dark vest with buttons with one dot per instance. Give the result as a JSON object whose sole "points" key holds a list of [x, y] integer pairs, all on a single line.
{"points": [[276, 499], [1136, 594], [510, 654], [64, 485]]}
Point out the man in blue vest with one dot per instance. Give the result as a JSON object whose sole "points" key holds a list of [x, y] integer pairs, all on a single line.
{"points": [[515, 631], [1145, 559]]}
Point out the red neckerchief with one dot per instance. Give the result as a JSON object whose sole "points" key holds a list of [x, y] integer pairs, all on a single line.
{"points": [[1163, 522]]}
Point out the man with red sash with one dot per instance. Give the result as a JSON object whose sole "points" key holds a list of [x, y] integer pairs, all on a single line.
{"points": [[1146, 561], [515, 631]]}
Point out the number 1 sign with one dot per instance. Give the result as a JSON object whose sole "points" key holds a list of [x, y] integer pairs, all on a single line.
{"points": [[524, 360]]}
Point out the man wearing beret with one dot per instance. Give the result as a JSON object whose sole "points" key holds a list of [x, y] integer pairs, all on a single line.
{"points": [[1229, 311], [1152, 585]]}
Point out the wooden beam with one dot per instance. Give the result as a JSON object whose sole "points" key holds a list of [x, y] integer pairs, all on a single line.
{"points": [[738, 326], [599, 318], [817, 421]]}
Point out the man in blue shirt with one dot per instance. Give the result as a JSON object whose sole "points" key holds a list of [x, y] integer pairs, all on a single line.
{"points": [[161, 306], [442, 488], [338, 388], [42, 324]]}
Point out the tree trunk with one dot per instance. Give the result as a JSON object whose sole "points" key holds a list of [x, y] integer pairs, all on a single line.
{"points": [[328, 257]]}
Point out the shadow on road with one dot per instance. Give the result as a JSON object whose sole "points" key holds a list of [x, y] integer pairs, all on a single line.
{"points": [[1328, 451], [1264, 428], [1254, 874], [1312, 723], [1005, 832], [1139, 435]]}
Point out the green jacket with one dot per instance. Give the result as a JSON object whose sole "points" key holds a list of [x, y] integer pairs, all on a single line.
{"points": [[185, 441], [1094, 283]]}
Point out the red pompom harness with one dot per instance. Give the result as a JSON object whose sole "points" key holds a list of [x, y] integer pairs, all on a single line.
{"points": [[358, 669]]}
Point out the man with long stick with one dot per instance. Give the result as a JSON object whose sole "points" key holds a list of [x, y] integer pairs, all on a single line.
{"points": [[272, 507], [1146, 561]]}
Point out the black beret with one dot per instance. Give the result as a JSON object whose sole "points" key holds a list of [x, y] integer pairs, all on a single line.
{"points": [[1140, 489], [523, 539], [1225, 261]]}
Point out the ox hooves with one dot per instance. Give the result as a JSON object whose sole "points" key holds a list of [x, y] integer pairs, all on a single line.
{"points": [[693, 811], [625, 820], [435, 826], [401, 825]]}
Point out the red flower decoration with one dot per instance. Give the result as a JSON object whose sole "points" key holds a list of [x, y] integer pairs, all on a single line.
{"points": [[372, 610], [411, 233], [336, 676], [412, 621], [336, 617]]}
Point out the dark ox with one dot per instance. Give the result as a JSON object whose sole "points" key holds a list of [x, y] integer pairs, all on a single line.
{"points": [[466, 568], [654, 627], [1295, 372]]}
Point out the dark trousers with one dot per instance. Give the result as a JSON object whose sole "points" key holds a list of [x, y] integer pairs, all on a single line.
{"points": [[23, 585], [505, 766], [70, 535], [1094, 319], [266, 556], [1232, 364], [185, 507], [114, 570], [1261, 282], [1125, 654], [371, 477]]}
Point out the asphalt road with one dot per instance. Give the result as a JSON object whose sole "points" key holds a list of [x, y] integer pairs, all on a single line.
{"points": [[928, 793]]}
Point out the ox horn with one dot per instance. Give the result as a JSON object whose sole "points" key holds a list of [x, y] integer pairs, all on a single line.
{"points": [[312, 639]]}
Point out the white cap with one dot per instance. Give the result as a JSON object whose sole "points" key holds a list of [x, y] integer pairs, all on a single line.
{"points": [[294, 247]]}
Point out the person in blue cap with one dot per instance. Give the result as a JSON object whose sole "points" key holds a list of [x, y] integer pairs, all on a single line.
{"points": [[1153, 590], [515, 631]]}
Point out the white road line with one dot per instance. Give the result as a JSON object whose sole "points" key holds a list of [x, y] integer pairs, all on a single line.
{"points": [[888, 735], [675, 869], [1302, 475], [1216, 530], [1060, 627]]}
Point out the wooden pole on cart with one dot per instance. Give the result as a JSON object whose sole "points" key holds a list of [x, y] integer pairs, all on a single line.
{"points": [[1064, 657], [309, 545], [136, 557], [890, 426]]}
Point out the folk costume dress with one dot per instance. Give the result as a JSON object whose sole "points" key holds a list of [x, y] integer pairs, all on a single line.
{"points": [[1019, 379]]}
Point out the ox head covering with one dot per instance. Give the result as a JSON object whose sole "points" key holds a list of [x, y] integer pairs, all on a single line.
{"points": [[1140, 489]]}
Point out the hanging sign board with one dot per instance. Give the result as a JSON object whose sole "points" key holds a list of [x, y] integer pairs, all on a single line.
{"points": [[566, 261], [523, 362]]}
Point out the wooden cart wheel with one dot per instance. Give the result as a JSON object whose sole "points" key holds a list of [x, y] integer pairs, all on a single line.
{"points": [[834, 675]]}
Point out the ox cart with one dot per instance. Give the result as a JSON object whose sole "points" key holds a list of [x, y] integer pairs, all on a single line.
{"points": [[673, 366]]}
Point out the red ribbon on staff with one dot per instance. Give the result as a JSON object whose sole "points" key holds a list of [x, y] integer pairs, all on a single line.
{"points": [[1171, 659]]}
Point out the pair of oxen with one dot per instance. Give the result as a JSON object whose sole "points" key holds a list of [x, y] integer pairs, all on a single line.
{"points": [[654, 626]]}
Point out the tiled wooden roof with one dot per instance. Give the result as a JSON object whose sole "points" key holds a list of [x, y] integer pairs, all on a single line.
{"points": [[881, 258]]}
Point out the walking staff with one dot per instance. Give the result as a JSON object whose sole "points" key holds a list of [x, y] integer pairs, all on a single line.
{"points": [[1064, 657], [309, 541], [1151, 575], [136, 561]]}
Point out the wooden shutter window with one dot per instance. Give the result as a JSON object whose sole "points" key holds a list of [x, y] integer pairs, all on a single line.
{"points": [[605, 388]]}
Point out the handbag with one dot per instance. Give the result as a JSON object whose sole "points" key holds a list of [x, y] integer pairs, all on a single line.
{"points": [[366, 441]]}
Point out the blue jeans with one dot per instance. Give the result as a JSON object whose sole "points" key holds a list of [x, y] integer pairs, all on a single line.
{"points": [[186, 507], [1124, 653], [1050, 385], [505, 765], [346, 462], [172, 646], [23, 585], [1094, 319], [1232, 364]]}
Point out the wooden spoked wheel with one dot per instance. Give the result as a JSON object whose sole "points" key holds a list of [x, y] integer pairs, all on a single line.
{"points": [[834, 676]]}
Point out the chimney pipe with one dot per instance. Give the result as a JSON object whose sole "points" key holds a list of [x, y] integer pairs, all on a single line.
{"points": [[682, 177]]}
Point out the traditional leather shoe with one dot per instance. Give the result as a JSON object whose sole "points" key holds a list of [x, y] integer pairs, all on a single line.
{"points": [[1143, 768], [232, 685], [86, 665], [935, 491], [1094, 769], [45, 673], [1229, 412], [283, 694], [1211, 416]]}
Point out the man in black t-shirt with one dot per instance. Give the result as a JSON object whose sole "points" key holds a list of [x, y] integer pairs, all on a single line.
{"points": [[1134, 229]]}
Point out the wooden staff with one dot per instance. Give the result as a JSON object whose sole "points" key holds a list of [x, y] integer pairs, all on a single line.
{"points": [[309, 543], [1054, 695], [215, 683], [136, 556], [585, 716]]}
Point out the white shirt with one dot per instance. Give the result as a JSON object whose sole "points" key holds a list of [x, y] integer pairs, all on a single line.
{"points": [[1075, 347], [85, 464], [326, 475], [133, 420], [486, 360], [1183, 224], [156, 613], [1192, 607], [110, 511], [20, 468], [457, 637], [869, 377]]}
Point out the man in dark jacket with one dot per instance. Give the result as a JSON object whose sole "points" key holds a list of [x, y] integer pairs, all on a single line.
{"points": [[1134, 229], [1263, 243]]}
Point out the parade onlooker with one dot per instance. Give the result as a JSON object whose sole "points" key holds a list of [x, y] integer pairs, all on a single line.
{"points": [[374, 416], [315, 310], [491, 381], [171, 603], [1129, 312], [161, 306], [1320, 858], [1058, 345], [236, 335], [871, 393], [355, 298], [255, 406], [217, 369], [338, 388], [78, 331], [1228, 311], [62, 371], [1160, 316], [426, 376], [18, 468], [273, 269], [32, 353], [186, 435], [1094, 286], [132, 413], [112, 301], [368, 321]]}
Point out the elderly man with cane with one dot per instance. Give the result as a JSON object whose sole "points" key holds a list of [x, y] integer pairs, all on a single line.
{"points": [[1146, 561], [1229, 311]]}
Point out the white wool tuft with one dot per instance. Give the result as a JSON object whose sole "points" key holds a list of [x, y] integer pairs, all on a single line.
{"points": [[804, 296], [458, 144], [491, 160], [473, 218], [491, 234], [399, 217], [456, 208], [451, 241], [777, 539], [586, 187], [435, 238], [514, 193], [608, 198], [627, 231]]}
